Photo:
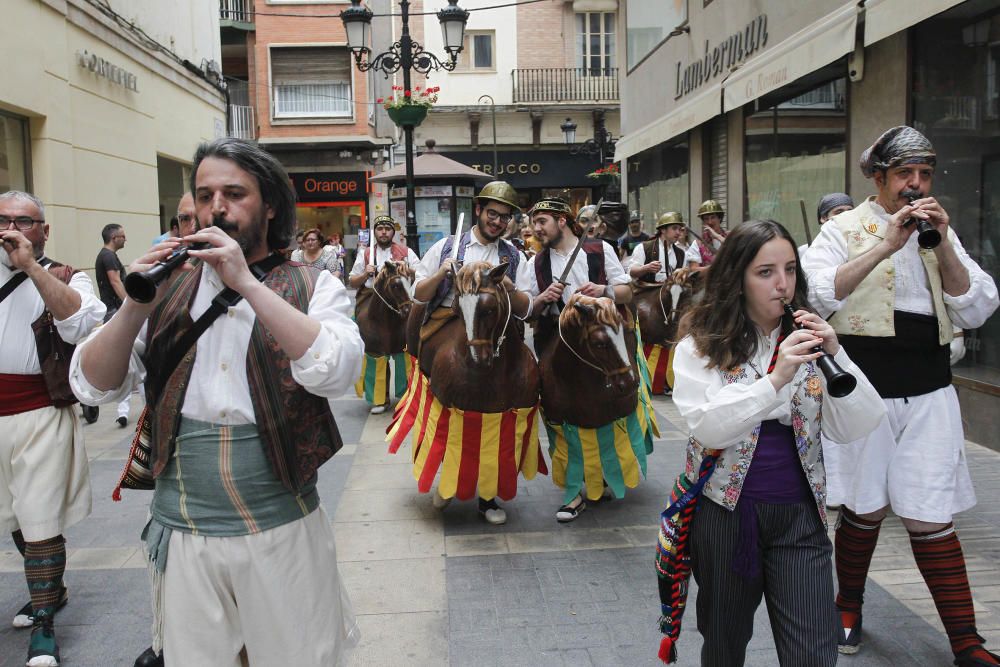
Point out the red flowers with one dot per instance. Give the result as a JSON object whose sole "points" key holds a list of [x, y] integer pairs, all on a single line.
{"points": [[402, 97]]}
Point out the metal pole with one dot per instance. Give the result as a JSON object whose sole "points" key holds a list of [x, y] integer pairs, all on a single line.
{"points": [[406, 63], [493, 113]]}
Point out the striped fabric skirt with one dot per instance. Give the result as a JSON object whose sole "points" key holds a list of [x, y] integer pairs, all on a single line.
{"points": [[375, 377], [660, 365], [474, 451]]}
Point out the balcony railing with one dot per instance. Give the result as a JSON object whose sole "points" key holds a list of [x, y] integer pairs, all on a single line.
{"points": [[240, 11], [569, 84], [242, 122]]}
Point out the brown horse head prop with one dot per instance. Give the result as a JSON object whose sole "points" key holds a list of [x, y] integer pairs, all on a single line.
{"points": [[660, 310], [484, 306], [392, 287], [592, 330], [382, 311]]}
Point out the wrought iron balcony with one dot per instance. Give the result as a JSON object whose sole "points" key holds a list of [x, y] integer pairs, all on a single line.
{"points": [[236, 11], [567, 84]]}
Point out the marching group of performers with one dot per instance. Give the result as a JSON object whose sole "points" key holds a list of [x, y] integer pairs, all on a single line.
{"points": [[240, 351]]}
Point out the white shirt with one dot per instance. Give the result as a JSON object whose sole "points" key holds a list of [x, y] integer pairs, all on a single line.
{"points": [[911, 287], [475, 251], [639, 258], [693, 253], [219, 391], [381, 256], [25, 305], [578, 275], [720, 415]]}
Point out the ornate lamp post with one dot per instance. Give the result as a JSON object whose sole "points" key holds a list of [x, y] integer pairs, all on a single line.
{"points": [[406, 55], [602, 144]]}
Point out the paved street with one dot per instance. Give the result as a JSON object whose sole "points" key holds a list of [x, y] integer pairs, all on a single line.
{"points": [[436, 589]]}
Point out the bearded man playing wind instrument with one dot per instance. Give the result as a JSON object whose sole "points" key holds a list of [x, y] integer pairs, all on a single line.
{"points": [[893, 306]]}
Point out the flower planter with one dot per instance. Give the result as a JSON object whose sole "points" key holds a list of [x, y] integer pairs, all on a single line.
{"points": [[408, 115]]}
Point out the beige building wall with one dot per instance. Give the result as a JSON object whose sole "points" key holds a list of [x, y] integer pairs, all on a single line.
{"points": [[94, 142]]}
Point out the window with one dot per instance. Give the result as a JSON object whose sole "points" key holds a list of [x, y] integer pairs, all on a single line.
{"points": [[13, 153], [658, 182], [595, 43], [477, 51], [311, 82]]}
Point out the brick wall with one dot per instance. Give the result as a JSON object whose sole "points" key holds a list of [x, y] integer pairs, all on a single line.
{"points": [[544, 35]]}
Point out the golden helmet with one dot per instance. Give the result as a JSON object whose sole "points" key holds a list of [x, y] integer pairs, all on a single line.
{"points": [[669, 218], [499, 191], [710, 206]]}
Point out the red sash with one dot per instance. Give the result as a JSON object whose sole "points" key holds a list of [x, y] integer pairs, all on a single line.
{"points": [[22, 393]]}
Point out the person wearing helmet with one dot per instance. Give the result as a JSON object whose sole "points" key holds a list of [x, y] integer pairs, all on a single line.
{"points": [[633, 237], [495, 206], [663, 254], [701, 252]]}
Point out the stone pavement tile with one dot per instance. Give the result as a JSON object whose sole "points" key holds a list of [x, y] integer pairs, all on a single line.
{"points": [[388, 540], [383, 505], [412, 639], [365, 477], [385, 587], [597, 538], [377, 453], [11, 560], [535, 542], [99, 559], [481, 622], [476, 545]]}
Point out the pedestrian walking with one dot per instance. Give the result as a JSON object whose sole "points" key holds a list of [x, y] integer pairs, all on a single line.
{"points": [[894, 306], [240, 422], [317, 255], [110, 274], [746, 385], [45, 308]]}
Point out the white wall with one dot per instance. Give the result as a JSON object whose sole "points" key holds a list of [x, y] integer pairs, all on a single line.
{"points": [[189, 27]]}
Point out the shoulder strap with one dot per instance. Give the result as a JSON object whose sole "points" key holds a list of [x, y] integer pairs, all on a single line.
{"points": [[222, 302], [11, 285]]}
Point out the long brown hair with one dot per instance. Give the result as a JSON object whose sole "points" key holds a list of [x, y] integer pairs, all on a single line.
{"points": [[722, 330]]}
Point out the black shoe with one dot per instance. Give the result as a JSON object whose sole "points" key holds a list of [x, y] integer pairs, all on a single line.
{"points": [[122, 421], [90, 413], [149, 659], [24, 617], [848, 636], [977, 656], [43, 651], [566, 513]]}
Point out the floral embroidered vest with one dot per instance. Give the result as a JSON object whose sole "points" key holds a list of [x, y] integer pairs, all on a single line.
{"points": [[726, 482], [869, 309]]}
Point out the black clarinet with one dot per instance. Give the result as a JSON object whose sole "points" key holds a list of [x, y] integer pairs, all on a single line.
{"points": [[141, 286], [928, 237], [839, 383]]}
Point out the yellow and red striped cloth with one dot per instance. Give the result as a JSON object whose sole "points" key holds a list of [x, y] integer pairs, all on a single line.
{"points": [[473, 450], [660, 362]]}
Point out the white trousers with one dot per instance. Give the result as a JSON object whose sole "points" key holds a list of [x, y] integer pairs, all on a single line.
{"points": [[44, 474], [914, 461], [277, 593]]}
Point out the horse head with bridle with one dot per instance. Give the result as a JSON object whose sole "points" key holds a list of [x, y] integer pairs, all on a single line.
{"points": [[660, 308], [382, 313], [478, 360], [592, 353]]}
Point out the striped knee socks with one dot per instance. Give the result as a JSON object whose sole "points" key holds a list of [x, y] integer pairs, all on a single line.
{"points": [[44, 564], [854, 543], [939, 557]]}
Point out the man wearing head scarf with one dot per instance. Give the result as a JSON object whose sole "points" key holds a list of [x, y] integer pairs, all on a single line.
{"points": [[829, 206], [894, 306]]}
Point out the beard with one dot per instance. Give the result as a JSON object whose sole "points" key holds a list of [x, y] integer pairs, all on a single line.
{"points": [[383, 244], [485, 232], [248, 239], [553, 241]]}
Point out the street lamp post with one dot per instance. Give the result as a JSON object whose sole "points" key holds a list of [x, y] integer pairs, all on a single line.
{"points": [[601, 144], [406, 55]]}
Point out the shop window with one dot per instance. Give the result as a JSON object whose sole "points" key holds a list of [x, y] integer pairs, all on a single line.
{"points": [[955, 59], [311, 82], [658, 182], [595, 43], [650, 22], [478, 51], [796, 153], [13, 153]]}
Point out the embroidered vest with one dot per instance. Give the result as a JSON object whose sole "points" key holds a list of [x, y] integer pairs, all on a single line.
{"points": [[54, 353], [505, 249], [652, 252], [297, 428], [399, 253], [593, 249], [726, 482], [868, 311]]}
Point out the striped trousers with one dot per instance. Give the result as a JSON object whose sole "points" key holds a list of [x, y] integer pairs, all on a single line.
{"points": [[796, 582]]}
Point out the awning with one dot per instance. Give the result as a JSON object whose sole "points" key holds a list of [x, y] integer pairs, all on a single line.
{"points": [[887, 17], [806, 51], [694, 112]]}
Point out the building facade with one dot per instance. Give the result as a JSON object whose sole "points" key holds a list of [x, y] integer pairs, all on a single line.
{"points": [[100, 116], [296, 91], [766, 106], [524, 70]]}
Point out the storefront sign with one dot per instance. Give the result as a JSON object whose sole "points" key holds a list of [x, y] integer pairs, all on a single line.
{"points": [[532, 169], [107, 70], [330, 186], [722, 58]]}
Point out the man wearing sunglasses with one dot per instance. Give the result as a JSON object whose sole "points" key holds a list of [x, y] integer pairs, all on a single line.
{"points": [[45, 308]]}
